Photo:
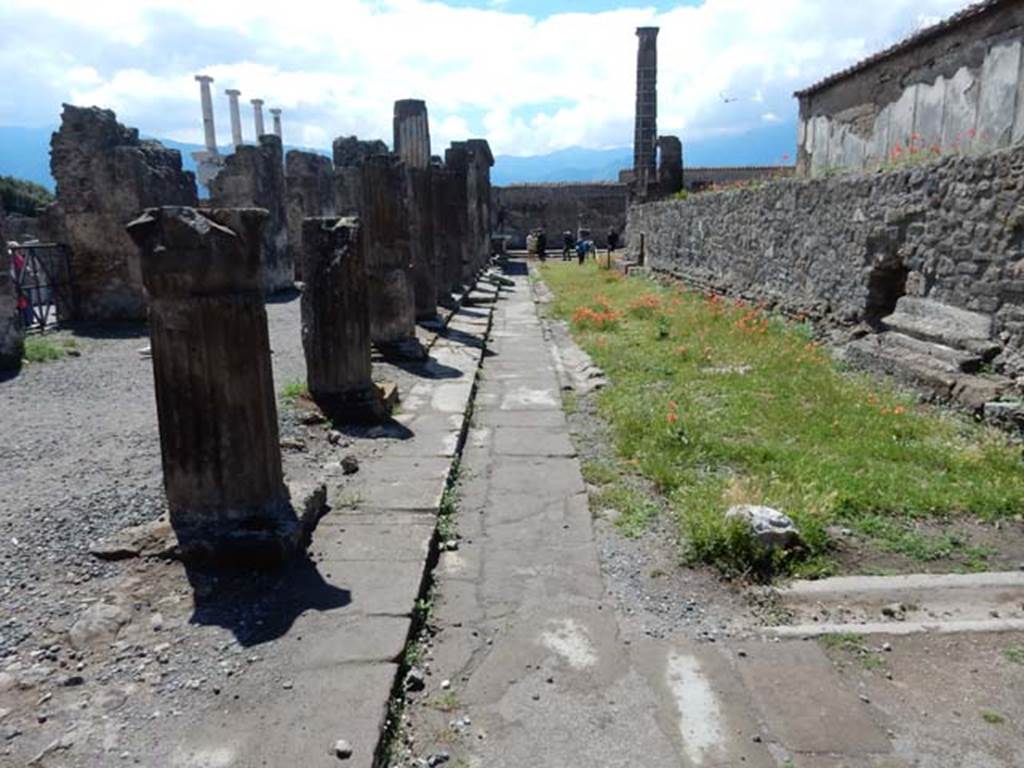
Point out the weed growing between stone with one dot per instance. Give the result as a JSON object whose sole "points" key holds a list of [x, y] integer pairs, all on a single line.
{"points": [[719, 403], [293, 390]]}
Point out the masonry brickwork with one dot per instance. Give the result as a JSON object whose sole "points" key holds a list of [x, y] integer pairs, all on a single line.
{"points": [[105, 176], [847, 248], [517, 209]]}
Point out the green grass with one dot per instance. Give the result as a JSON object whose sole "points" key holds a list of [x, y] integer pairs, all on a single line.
{"points": [[293, 390], [599, 473], [1014, 654], [992, 717], [636, 510], [855, 646], [719, 403], [43, 349]]}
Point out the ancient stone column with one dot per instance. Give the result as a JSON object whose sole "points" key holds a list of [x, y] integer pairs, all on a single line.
{"points": [[215, 396], [309, 192], [253, 177], [670, 171], [481, 161], [456, 159], [207, 102], [336, 320], [236, 116], [276, 114], [389, 256], [421, 226], [412, 133], [12, 336], [646, 127], [349, 154], [446, 278], [257, 114]]}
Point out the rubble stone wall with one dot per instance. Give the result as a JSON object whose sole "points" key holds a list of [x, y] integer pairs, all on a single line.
{"points": [[309, 192], [253, 177], [845, 248], [517, 209], [105, 176]]}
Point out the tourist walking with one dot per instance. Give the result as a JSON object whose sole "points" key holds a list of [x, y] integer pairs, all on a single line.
{"points": [[568, 242], [613, 241], [542, 245]]}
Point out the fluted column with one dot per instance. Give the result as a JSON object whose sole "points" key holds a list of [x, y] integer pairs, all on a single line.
{"points": [[236, 116]]}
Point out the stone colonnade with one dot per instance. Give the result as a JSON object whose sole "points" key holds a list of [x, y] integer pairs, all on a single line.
{"points": [[420, 237]]}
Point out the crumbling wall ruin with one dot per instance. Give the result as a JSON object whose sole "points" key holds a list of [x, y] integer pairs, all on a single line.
{"points": [[253, 177], [945, 241], [309, 192], [520, 208], [105, 176]]}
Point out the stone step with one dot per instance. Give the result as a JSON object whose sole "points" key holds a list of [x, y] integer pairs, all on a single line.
{"points": [[933, 321], [932, 366]]}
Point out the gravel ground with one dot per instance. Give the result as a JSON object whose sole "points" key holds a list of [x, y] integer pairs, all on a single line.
{"points": [[80, 462]]}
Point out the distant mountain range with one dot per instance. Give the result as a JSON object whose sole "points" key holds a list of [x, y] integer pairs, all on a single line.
{"points": [[25, 153]]}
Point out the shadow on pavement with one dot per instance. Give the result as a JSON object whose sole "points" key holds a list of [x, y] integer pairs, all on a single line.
{"points": [[261, 606]]}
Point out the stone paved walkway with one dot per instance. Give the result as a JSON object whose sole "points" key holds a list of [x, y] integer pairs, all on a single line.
{"points": [[544, 670]]}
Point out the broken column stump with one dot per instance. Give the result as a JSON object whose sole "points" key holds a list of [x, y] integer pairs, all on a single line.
{"points": [[389, 257], [336, 321], [214, 389]]}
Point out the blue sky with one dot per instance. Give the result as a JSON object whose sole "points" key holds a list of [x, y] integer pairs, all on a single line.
{"points": [[531, 76]]}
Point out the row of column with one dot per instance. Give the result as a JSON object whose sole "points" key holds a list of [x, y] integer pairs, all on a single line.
{"points": [[366, 280], [209, 130]]}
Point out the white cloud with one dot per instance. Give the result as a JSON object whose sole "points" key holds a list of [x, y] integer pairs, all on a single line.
{"points": [[529, 85]]}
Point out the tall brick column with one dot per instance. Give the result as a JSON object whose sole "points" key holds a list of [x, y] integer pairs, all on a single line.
{"points": [[214, 390], [389, 256], [646, 128], [336, 320]]}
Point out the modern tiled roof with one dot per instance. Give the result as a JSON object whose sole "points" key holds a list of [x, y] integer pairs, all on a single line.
{"points": [[926, 34]]}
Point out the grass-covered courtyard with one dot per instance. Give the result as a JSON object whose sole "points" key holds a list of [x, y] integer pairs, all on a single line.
{"points": [[718, 403]]}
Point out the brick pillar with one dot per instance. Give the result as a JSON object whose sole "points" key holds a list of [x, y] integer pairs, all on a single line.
{"points": [[389, 256], [336, 320], [215, 396], [646, 127], [670, 171]]}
